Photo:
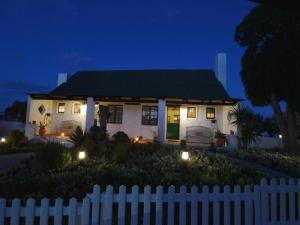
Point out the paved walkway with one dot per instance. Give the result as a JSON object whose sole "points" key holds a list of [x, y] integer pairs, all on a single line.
{"points": [[8, 161]]}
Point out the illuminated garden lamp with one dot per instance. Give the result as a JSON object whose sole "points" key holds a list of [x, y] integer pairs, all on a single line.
{"points": [[3, 140], [136, 139], [185, 155], [81, 155], [62, 134], [280, 136]]}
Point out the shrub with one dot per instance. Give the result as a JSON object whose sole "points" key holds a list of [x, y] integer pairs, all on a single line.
{"points": [[16, 139], [121, 136], [120, 152], [95, 141], [53, 156], [77, 137], [183, 144]]}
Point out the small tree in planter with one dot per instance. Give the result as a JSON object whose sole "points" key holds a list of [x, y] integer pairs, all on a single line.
{"points": [[220, 138]]}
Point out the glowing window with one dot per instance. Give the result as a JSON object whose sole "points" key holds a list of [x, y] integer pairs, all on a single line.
{"points": [[61, 107], [191, 112], [210, 113]]}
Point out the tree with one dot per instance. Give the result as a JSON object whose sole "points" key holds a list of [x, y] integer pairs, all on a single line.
{"points": [[270, 64], [17, 111], [249, 124]]}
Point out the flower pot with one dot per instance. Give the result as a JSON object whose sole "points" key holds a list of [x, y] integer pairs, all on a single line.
{"points": [[220, 142], [42, 131]]}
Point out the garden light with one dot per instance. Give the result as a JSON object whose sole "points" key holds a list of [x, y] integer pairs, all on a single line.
{"points": [[136, 139], [81, 155], [280, 136], [185, 155], [62, 134], [3, 140]]}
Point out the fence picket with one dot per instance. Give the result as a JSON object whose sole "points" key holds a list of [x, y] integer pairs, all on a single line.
{"points": [[159, 206], [2, 210], [194, 206], [108, 204], [121, 205], [58, 211], [237, 205], [96, 201], [29, 211], [171, 205], [15, 212], [85, 211], [72, 212], [44, 211], [182, 205], [147, 205], [248, 206], [216, 205], [282, 200], [264, 202], [292, 207], [134, 205], [205, 205], [227, 201], [273, 201]]}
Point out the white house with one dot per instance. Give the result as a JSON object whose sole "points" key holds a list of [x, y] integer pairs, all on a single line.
{"points": [[172, 104]]}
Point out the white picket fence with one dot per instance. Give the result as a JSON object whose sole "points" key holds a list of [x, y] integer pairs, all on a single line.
{"points": [[263, 204]]}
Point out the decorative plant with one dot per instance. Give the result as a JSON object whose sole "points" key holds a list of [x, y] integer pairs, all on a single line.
{"points": [[220, 138], [183, 144], [77, 137]]}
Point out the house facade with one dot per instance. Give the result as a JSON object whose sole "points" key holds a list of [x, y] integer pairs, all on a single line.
{"points": [[167, 104]]}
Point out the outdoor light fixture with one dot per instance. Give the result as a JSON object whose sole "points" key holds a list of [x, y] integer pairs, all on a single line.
{"points": [[136, 139], [3, 140], [280, 136], [185, 155], [62, 134], [81, 155]]}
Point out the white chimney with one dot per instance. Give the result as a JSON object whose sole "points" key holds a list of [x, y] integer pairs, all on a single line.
{"points": [[62, 78], [221, 68]]}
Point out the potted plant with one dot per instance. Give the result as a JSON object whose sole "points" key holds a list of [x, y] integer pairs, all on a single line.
{"points": [[220, 138], [42, 129]]}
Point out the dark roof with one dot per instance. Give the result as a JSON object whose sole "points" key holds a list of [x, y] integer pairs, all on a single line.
{"points": [[186, 84]]}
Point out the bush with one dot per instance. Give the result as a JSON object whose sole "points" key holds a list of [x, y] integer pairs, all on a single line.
{"points": [[53, 156], [120, 152], [16, 139], [95, 141], [121, 136], [77, 137]]}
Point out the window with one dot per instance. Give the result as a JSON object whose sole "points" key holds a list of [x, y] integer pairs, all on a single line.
{"points": [[149, 115], [61, 107], [76, 108], [115, 113], [210, 113], [191, 112]]}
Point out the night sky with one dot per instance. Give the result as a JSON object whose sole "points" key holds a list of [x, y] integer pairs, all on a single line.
{"points": [[40, 38]]}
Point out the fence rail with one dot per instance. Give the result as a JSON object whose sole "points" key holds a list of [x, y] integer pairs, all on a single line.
{"points": [[263, 204]]}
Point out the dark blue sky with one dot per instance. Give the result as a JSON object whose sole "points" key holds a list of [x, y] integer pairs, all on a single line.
{"points": [[39, 39]]}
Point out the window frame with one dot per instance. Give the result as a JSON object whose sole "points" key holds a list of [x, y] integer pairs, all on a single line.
{"points": [[76, 103], [115, 119], [214, 113], [187, 112], [149, 114], [58, 107]]}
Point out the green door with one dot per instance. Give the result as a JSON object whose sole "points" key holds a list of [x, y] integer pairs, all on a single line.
{"points": [[173, 122]]}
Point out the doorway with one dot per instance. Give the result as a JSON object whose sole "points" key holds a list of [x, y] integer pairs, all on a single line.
{"points": [[173, 122]]}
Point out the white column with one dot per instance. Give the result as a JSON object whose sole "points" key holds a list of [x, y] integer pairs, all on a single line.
{"points": [[29, 128], [90, 110], [161, 120]]}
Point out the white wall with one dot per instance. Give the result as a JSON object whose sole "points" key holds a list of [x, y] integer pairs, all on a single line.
{"points": [[132, 123]]}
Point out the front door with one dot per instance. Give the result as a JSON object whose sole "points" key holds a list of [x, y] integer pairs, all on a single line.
{"points": [[173, 119]]}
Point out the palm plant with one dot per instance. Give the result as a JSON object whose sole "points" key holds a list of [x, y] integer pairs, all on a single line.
{"points": [[249, 125], [77, 138]]}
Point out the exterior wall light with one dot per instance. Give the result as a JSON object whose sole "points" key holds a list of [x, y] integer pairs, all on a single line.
{"points": [[81, 155], [185, 155], [3, 140]]}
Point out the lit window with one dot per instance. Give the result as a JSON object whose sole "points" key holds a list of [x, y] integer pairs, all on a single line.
{"points": [[115, 113], [77, 108], [191, 112], [149, 115], [61, 107], [210, 113]]}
